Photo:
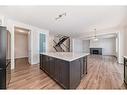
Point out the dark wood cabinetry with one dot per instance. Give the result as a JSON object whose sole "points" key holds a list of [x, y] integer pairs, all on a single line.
{"points": [[52, 66], [75, 73], [57, 70], [83, 66], [63, 73], [41, 63], [67, 74], [125, 70]]}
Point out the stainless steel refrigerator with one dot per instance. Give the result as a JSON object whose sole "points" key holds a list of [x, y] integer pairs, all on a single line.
{"points": [[5, 57]]}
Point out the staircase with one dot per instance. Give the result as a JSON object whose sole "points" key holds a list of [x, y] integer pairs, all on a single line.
{"points": [[58, 45]]}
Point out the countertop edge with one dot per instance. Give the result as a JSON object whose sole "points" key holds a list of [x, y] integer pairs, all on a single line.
{"points": [[125, 56], [86, 54]]}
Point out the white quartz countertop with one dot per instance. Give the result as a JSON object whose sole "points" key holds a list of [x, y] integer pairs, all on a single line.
{"points": [[67, 56], [125, 56]]}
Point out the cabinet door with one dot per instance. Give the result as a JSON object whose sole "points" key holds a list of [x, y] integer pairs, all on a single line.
{"points": [[82, 66], [75, 73], [61, 72], [125, 79], [40, 61], [125, 70], [47, 64], [43, 62], [52, 66], [57, 69], [85, 65], [64, 73], [83, 62]]}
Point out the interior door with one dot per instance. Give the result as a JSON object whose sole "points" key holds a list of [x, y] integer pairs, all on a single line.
{"points": [[29, 47]]}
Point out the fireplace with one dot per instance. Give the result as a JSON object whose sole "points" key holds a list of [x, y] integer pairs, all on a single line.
{"points": [[96, 51]]}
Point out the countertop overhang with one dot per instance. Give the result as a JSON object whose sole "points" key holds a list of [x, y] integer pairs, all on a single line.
{"points": [[125, 56], [67, 56]]}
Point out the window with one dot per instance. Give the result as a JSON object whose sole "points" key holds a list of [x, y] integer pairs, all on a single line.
{"points": [[42, 42]]}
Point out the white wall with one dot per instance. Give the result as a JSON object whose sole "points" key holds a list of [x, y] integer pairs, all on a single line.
{"points": [[122, 44], [108, 45], [77, 45], [51, 43], [125, 41], [35, 46], [86, 46], [21, 45]]}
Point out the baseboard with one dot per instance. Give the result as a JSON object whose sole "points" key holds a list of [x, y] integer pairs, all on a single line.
{"points": [[21, 57], [110, 55]]}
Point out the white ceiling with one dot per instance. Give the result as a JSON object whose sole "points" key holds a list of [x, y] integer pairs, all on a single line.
{"points": [[78, 19]]}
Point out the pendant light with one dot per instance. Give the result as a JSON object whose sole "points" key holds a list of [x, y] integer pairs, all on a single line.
{"points": [[95, 37]]}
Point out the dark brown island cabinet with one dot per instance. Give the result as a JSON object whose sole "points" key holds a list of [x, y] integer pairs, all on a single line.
{"points": [[67, 73], [125, 70]]}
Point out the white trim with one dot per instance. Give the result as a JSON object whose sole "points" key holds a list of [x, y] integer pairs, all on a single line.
{"points": [[21, 57], [10, 26]]}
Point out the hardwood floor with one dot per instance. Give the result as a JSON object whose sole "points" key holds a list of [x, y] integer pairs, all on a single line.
{"points": [[103, 73], [21, 63]]}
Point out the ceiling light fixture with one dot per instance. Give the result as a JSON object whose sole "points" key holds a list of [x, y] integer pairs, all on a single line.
{"points": [[60, 16], [95, 37]]}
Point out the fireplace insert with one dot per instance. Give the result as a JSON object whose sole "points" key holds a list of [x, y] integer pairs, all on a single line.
{"points": [[96, 51]]}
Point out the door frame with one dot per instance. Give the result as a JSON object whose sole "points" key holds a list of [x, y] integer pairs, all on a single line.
{"points": [[10, 26], [13, 45]]}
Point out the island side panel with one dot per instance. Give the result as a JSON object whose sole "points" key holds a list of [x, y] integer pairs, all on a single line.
{"points": [[78, 70], [56, 68], [85, 64], [82, 67], [75, 73], [52, 66], [41, 63], [62, 70]]}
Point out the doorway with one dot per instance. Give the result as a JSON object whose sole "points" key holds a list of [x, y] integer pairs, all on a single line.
{"points": [[22, 51]]}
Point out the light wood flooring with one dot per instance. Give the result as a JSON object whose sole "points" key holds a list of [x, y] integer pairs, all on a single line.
{"points": [[103, 73]]}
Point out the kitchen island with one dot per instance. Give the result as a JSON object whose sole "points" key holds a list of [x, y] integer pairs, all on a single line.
{"points": [[66, 68]]}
